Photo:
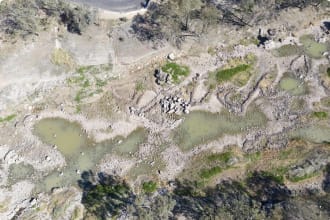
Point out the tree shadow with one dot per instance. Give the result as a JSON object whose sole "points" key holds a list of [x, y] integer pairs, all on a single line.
{"points": [[327, 25], [104, 195]]}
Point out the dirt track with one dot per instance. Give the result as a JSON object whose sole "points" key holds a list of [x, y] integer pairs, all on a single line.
{"points": [[113, 5]]}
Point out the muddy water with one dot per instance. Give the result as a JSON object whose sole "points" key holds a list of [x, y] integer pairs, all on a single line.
{"points": [[200, 127], [81, 153], [292, 86], [314, 133]]}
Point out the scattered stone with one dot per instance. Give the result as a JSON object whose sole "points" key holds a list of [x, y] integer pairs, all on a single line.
{"points": [[174, 104]]}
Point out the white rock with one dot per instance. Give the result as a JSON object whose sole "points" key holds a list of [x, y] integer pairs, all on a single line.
{"points": [[171, 56]]}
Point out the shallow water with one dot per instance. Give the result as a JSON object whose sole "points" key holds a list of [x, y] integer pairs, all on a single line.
{"points": [[293, 86], [131, 144], [200, 127], [315, 133], [288, 50], [20, 171], [313, 48], [81, 154]]}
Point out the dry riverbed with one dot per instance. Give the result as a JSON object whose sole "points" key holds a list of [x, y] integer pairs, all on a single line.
{"points": [[70, 104]]}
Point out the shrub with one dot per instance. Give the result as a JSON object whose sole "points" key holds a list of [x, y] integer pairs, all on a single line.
{"points": [[176, 71], [208, 173], [149, 187], [320, 115]]}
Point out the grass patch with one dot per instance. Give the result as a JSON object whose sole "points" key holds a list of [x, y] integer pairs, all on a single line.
{"points": [[301, 178], [328, 71], [227, 74], [249, 41], [94, 69], [176, 71], [61, 57], [211, 51], [100, 83], [86, 84], [253, 157], [208, 173], [320, 115], [79, 96], [149, 187], [139, 87], [7, 118], [222, 157], [83, 69], [285, 154]]}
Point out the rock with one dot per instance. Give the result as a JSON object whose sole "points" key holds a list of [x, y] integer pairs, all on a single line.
{"points": [[47, 158], [171, 56], [33, 201], [271, 32], [161, 77]]}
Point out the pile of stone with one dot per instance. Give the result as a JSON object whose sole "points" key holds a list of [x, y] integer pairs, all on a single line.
{"points": [[174, 104], [162, 77]]}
